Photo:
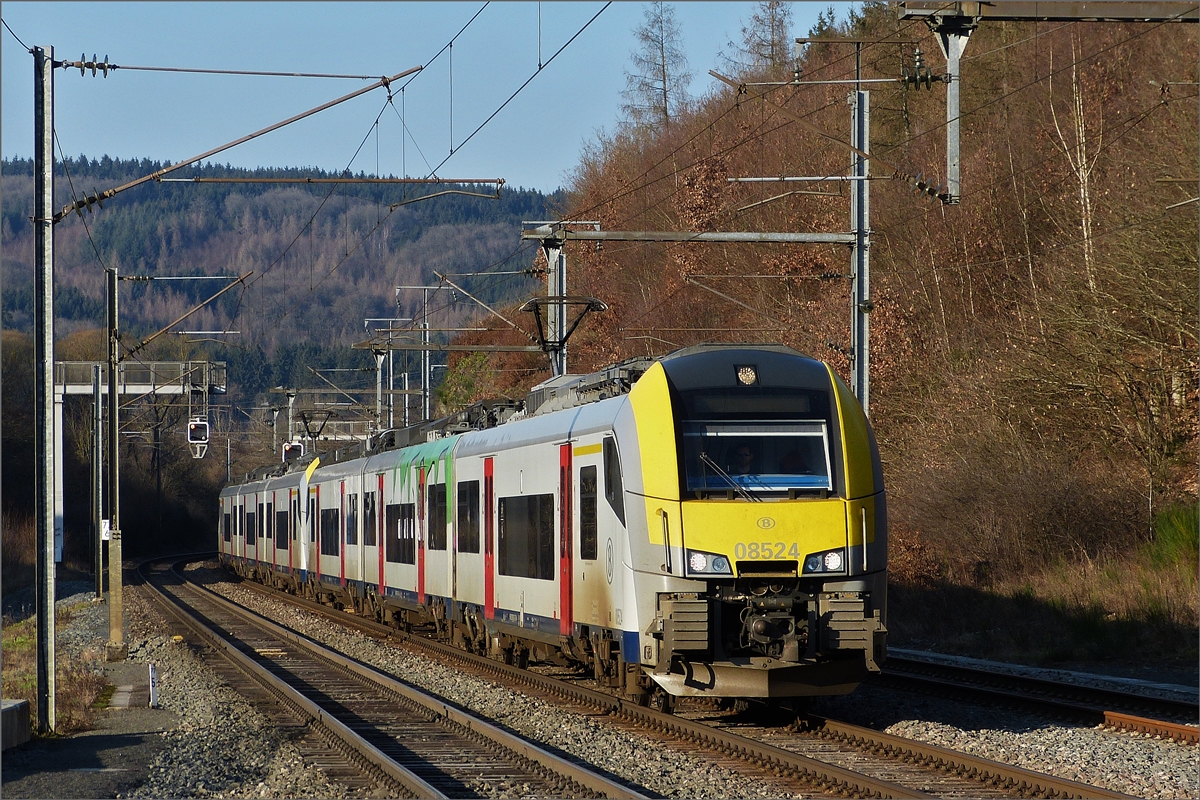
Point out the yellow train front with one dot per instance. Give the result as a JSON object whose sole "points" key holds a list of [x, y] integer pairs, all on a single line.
{"points": [[757, 526]]}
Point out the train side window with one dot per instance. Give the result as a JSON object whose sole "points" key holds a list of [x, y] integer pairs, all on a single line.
{"points": [[225, 523], [352, 519], [312, 519], [262, 521], [408, 533], [251, 524], [330, 518], [369, 519], [614, 490], [295, 517], [270, 520], [281, 530], [437, 516], [526, 536], [391, 532], [587, 513], [468, 517]]}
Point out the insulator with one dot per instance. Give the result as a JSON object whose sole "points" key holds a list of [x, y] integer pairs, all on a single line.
{"points": [[918, 59], [82, 58]]}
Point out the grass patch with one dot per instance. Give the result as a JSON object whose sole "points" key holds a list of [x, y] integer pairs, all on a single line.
{"points": [[1125, 609], [79, 683], [1176, 537]]}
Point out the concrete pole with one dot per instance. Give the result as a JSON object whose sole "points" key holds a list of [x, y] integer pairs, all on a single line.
{"points": [[391, 390], [43, 313], [115, 649], [98, 480]]}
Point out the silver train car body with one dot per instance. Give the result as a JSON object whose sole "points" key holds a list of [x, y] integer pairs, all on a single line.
{"points": [[606, 524]]}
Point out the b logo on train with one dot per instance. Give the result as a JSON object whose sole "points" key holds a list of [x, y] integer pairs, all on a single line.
{"points": [[711, 523]]}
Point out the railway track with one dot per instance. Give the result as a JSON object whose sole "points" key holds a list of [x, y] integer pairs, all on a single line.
{"points": [[390, 734], [819, 755], [1086, 704]]}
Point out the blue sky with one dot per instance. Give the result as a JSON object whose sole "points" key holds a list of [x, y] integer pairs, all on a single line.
{"points": [[534, 142]]}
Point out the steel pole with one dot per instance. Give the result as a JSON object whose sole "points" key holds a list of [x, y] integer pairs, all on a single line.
{"points": [[43, 314], [860, 267], [425, 366], [115, 649], [379, 389], [952, 35], [98, 480]]}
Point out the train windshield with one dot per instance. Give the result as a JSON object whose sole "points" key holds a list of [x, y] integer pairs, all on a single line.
{"points": [[756, 455]]}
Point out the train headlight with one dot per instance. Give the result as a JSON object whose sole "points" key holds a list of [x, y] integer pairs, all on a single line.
{"points": [[701, 563], [825, 561]]}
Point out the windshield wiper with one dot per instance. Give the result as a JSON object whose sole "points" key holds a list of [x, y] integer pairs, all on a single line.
{"points": [[737, 487]]}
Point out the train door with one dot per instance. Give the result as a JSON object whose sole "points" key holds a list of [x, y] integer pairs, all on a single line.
{"points": [[314, 519], [489, 539], [379, 532], [566, 526], [343, 524], [594, 567], [293, 527]]}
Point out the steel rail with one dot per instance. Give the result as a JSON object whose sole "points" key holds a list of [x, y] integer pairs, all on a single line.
{"points": [[1087, 704], [1027, 782], [291, 697], [1023, 781], [438, 709]]}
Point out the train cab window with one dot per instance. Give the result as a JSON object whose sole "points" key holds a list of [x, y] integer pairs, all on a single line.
{"points": [[312, 519], [526, 536], [225, 523], [437, 516], [281, 529], [369, 519], [587, 513], [468, 516], [352, 519], [250, 524], [614, 490], [756, 456], [330, 540], [270, 521], [295, 517]]}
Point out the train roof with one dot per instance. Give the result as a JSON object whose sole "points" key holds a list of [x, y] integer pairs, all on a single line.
{"points": [[702, 365]]}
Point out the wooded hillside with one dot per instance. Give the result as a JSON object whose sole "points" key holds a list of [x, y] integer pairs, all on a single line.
{"points": [[1033, 349]]}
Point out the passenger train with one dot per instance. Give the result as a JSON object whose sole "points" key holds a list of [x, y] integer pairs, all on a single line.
{"points": [[709, 524]]}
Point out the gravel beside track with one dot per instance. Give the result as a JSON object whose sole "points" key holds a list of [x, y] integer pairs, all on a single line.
{"points": [[1126, 763], [222, 747], [633, 757]]}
